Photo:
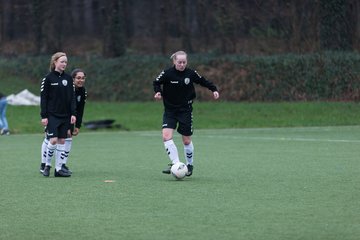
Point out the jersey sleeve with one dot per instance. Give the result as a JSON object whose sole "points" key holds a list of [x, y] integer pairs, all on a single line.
{"points": [[73, 102], [44, 89], [204, 82], [158, 82], [80, 109]]}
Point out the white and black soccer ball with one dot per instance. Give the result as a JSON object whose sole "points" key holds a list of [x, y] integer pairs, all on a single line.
{"points": [[179, 170]]}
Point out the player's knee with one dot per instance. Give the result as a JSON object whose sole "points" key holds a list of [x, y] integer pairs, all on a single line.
{"points": [[167, 135], [186, 140]]}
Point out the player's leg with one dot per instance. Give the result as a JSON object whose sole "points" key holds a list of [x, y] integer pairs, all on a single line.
{"points": [[68, 144], [51, 135], [43, 154], [50, 150], [189, 154], [186, 130], [169, 124], [59, 156], [60, 149], [169, 145], [170, 148]]}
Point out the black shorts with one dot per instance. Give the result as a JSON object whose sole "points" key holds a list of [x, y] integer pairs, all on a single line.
{"points": [[57, 127], [181, 119]]}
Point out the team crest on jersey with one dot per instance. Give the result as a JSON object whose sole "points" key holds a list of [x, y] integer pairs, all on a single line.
{"points": [[64, 82], [187, 81], [78, 98]]}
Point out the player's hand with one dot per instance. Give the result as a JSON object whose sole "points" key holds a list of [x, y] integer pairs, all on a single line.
{"points": [[216, 95], [73, 119], [75, 132], [44, 121], [157, 95]]}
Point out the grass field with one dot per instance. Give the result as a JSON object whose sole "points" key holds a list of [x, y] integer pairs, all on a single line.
{"points": [[260, 183], [207, 115]]}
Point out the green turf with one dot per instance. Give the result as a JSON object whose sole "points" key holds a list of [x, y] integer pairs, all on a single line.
{"points": [[269, 183], [215, 115]]}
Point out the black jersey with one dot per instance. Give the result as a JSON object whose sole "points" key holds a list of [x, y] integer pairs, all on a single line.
{"points": [[57, 96], [80, 95], [178, 86]]}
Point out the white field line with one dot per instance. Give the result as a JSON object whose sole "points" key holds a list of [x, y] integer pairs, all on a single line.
{"points": [[298, 139], [283, 139], [203, 133]]}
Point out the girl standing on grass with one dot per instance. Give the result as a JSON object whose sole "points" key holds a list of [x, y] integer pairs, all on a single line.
{"points": [[57, 103], [176, 87], [78, 75]]}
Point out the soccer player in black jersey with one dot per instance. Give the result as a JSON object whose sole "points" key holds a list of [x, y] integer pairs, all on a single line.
{"points": [[175, 86], [79, 77], [57, 103]]}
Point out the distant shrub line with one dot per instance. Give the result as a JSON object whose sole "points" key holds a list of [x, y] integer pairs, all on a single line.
{"points": [[289, 77]]}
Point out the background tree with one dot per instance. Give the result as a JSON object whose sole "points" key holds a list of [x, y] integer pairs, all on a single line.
{"points": [[354, 23], [163, 29], [226, 17], [112, 27], [54, 24], [186, 24], [38, 8], [7, 22], [114, 36], [203, 18], [334, 25]]}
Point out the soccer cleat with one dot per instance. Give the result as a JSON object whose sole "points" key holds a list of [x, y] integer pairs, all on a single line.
{"points": [[46, 171], [42, 167], [5, 132], [167, 170], [66, 168], [190, 170], [61, 173]]}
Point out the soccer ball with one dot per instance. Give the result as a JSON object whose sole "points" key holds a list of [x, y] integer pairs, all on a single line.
{"points": [[179, 170]]}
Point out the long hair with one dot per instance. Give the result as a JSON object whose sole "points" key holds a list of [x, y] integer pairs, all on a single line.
{"points": [[54, 58]]}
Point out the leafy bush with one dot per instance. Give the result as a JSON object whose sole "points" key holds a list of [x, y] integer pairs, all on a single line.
{"points": [[289, 77]]}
